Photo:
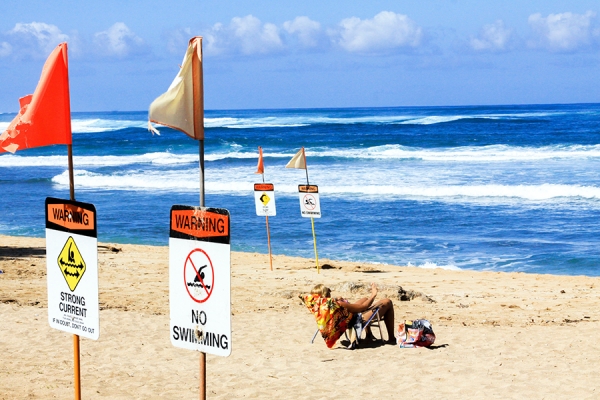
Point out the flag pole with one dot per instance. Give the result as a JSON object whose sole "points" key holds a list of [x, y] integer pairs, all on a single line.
{"points": [[268, 235], [312, 221], [76, 353], [305, 165], [198, 96], [201, 168]]}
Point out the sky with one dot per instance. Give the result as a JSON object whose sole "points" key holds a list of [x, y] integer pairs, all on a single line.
{"points": [[308, 54]]}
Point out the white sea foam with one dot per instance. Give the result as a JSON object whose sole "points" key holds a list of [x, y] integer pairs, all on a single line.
{"points": [[492, 153], [303, 120], [236, 182], [432, 265], [90, 125], [94, 125], [524, 192], [157, 158]]}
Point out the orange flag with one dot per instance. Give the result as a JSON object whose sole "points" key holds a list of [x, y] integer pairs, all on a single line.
{"points": [[260, 168], [45, 116]]}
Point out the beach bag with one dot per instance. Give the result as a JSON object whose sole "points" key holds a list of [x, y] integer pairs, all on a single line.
{"points": [[416, 333]]}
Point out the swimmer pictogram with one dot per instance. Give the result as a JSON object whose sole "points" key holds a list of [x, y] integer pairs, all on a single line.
{"points": [[198, 275], [309, 202]]}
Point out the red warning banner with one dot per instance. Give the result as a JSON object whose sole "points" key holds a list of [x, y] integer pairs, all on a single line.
{"points": [[264, 187], [200, 223], [70, 216]]}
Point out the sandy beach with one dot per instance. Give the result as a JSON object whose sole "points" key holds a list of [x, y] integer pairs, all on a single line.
{"points": [[499, 335]]}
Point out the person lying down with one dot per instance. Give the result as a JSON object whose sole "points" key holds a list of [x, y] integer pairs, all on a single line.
{"points": [[335, 315]]}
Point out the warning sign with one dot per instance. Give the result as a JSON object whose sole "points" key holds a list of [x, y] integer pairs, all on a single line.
{"points": [[200, 279], [264, 199], [71, 263], [72, 267], [309, 201]]}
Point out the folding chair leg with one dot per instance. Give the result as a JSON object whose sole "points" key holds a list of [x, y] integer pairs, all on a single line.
{"points": [[379, 325], [314, 336]]}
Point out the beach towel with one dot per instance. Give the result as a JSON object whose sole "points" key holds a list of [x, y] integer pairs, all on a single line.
{"points": [[417, 333], [332, 319]]}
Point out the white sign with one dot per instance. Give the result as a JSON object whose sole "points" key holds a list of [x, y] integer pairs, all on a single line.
{"points": [[309, 201], [200, 280], [72, 267], [264, 199]]}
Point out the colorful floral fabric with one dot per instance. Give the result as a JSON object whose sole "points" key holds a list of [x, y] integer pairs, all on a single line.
{"points": [[332, 319]]}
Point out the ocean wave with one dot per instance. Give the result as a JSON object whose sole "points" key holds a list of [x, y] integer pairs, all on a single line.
{"points": [[487, 154], [492, 153], [234, 183], [305, 120], [94, 125], [440, 119], [157, 158], [432, 265], [458, 192]]}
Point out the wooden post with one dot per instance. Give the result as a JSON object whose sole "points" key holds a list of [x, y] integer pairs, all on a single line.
{"points": [[76, 367], [76, 356], [269, 242], [312, 222]]}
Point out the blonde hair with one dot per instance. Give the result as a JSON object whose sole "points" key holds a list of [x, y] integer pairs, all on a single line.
{"points": [[321, 290]]}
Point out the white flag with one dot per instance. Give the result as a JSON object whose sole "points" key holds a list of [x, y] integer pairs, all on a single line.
{"points": [[298, 161], [181, 107]]}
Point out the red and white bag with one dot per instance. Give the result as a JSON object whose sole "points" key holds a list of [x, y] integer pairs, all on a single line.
{"points": [[417, 333]]}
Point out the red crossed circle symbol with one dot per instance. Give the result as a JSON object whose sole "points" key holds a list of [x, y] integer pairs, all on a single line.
{"points": [[202, 286]]}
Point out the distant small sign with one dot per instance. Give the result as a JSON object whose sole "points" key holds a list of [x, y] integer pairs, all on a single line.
{"points": [[264, 199], [309, 201]]}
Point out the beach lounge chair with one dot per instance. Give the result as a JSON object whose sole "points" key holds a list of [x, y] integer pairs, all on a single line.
{"points": [[358, 327]]}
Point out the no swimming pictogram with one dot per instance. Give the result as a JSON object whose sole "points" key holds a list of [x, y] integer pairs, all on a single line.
{"points": [[199, 275], [310, 203]]}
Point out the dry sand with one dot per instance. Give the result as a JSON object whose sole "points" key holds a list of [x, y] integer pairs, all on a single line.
{"points": [[499, 335]]}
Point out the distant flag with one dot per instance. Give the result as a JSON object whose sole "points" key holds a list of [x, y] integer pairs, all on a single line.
{"points": [[260, 168], [298, 161], [181, 107], [45, 116]]}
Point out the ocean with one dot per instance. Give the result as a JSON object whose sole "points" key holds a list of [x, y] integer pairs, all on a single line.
{"points": [[494, 188]]}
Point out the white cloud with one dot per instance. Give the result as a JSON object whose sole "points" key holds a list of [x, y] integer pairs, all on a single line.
{"points": [[246, 35], [119, 41], [306, 30], [386, 31], [492, 37], [563, 32], [36, 39], [5, 49]]}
